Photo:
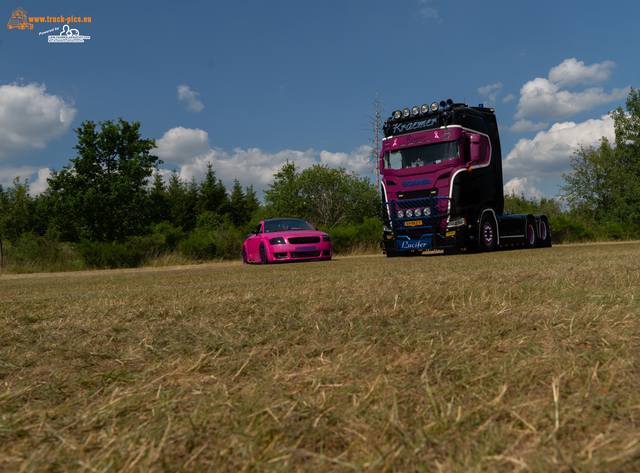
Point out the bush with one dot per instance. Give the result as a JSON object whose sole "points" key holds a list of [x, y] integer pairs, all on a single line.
{"points": [[199, 245], [567, 230], [519, 204], [358, 237], [36, 254], [167, 236], [30, 249], [101, 255], [618, 231]]}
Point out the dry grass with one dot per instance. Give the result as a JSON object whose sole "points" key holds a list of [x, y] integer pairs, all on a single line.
{"points": [[513, 361]]}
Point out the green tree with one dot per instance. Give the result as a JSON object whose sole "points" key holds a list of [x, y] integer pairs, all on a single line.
{"points": [[212, 194], [15, 212], [251, 201], [336, 196], [102, 194], [238, 206], [591, 188], [284, 197], [519, 204], [321, 195], [159, 200], [604, 184], [181, 201]]}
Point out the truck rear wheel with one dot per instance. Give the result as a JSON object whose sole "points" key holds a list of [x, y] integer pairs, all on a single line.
{"points": [[488, 234], [545, 233], [531, 239]]}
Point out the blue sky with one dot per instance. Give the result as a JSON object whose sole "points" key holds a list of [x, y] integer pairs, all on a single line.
{"points": [[247, 85]]}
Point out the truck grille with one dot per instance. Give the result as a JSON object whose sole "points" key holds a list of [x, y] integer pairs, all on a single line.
{"points": [[300, 240]]}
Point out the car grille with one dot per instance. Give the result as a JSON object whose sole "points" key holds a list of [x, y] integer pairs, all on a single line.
{"points": [[299, 240], [305, 254]]}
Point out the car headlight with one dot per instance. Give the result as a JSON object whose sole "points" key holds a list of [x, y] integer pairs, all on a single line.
{"points": [[400, 214], [326, 238], [277, 241]]}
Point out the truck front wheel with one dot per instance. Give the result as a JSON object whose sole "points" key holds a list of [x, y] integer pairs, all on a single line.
{"points": [[488, 234]]}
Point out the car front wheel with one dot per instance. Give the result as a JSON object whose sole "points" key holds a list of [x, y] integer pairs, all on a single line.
{"points": [[263, 255]]}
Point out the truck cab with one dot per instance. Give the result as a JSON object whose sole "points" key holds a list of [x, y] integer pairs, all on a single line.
{"points": [[441, 168]]}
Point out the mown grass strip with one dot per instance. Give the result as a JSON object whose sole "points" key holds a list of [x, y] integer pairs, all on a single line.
{"points": [[520, 360]]}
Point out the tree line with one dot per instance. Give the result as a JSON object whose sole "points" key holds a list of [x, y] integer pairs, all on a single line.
{"points": [[110, 206], [113, 205]]}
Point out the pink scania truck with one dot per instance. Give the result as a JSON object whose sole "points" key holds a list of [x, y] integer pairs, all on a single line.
{"points": [[442, 189]]}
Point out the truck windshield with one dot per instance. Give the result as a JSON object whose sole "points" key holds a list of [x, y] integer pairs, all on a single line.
{"points": [[421, 155]]}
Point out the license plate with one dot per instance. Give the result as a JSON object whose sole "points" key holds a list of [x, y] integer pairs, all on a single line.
{"points": [[413, 223], [451, 233], [300, 249]]}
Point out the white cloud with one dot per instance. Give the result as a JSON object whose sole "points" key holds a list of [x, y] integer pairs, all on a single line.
{"points": [[571, 72], [491, 92], [543, 98], [40, 184], [37, 178], [429, 12], [181, 145], [488, 88], [29, 117], [547, 156], [508, 98], [185, 93], [526, 125], [522, 186], [190, 149], [357, 160]]}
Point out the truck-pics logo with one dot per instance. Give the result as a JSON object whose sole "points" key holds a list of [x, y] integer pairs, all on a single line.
{"points": [[68, 35], [19, 20]]}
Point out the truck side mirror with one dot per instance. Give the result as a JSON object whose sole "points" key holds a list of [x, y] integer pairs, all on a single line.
{"points": [[474, 153]]}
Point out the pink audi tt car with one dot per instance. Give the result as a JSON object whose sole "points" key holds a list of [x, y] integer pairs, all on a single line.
{"points": [[285, 239]]}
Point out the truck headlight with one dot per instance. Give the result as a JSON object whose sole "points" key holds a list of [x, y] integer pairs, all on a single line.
{"points": [[409, 213], [427, 211], [417, 213], [400, 214], [456, 222]]}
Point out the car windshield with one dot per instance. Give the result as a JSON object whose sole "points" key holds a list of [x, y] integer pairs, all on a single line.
{"points": [[285, 224], [421, 155]]}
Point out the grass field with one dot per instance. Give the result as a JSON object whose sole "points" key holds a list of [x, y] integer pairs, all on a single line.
{"points": [[511, 361]]}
